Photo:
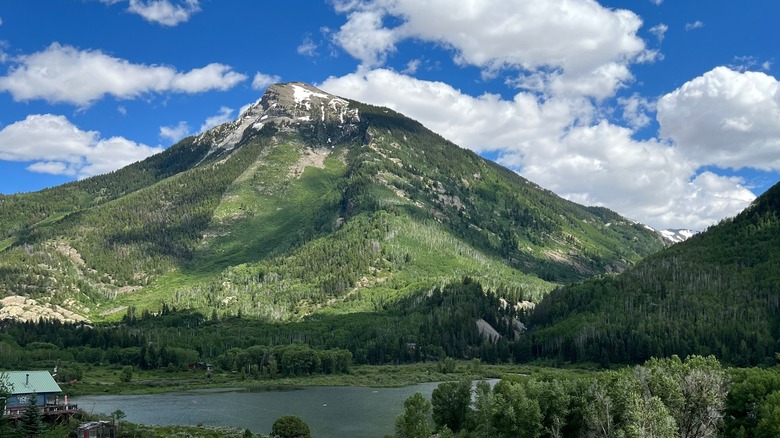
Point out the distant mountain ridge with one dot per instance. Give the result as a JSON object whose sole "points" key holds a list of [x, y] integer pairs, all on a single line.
{"points": [[718, 292], [306, 203], [677, 235]]}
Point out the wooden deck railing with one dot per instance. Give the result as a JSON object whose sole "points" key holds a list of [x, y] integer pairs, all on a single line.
{"points": [[46, 410]]}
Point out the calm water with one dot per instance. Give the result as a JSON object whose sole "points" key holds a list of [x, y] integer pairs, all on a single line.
{"points": [[329, 411]]}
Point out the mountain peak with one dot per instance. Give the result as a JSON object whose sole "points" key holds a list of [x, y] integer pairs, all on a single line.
{"points": [[300, 102], [674, 235], [294, 95], [290, 106]]}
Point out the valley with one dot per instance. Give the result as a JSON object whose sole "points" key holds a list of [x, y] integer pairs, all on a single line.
{"points": [[321, 241]]}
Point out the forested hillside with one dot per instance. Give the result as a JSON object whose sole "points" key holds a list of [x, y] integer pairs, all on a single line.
{"points": [[717, 293], [306, 203], [24, 211], [422, 328]]}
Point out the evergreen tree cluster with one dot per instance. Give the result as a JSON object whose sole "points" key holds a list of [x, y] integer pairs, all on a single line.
{"points": [[717, 293], [418, 328]]}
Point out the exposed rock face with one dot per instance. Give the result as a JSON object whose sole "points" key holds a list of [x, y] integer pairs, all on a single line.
{"points": [[325, 118], [24, 309], [304, 103], [487, 331]]}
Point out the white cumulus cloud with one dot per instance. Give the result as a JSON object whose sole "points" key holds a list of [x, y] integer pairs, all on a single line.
{"points": [[365, 38], [636, 110], [483, 123], [659, 31], [3, 54], [725, 118], [224, 115], [261, 81], [57, 146], [163, 11], [308, 47], [412, 66], [693, 26], [65, 74], [175, 132], [570, 46]]}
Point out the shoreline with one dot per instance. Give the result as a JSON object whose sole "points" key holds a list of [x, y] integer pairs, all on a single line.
{"points": [[102, 380]]}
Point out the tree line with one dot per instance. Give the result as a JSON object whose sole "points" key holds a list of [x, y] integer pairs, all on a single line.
{"points": [[663, 398], [416, 328]]}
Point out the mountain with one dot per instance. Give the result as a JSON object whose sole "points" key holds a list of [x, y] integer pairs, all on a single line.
{"points": [[307, 203], [718, 293], [676, 235]]}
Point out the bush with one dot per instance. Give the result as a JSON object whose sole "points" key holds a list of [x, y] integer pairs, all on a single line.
{"points": [[290, 426], [127, 373]]}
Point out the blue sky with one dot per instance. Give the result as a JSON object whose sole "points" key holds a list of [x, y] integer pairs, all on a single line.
{"points": [[665, 111]]}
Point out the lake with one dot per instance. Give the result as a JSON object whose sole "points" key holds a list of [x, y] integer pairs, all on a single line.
{"points": [[329, 411]]}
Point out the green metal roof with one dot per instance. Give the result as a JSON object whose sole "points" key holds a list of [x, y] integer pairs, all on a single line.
{"points": [[28, 382]]}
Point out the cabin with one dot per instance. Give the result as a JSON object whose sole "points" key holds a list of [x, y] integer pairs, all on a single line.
{"points": [[38, 386]]}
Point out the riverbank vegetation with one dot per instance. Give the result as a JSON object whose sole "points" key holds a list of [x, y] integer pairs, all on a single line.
{"points": [[695, 397], [109, 379], [133, 430]]}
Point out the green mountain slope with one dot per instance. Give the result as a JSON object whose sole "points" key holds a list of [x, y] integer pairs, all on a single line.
{"points": [[22, 211], [306, 203], [716, 293]]}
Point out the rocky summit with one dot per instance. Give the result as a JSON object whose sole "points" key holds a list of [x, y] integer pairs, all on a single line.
{"points": [[290, 107]]}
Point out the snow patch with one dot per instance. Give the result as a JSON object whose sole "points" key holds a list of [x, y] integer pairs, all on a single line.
{"points": [[676, 236], [303, 95]]}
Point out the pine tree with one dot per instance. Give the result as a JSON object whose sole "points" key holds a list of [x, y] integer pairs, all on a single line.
{"points": [[31, 423], [5, 392]]}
